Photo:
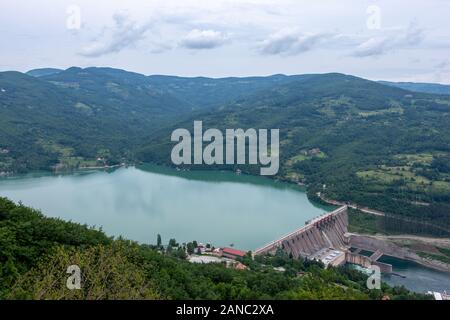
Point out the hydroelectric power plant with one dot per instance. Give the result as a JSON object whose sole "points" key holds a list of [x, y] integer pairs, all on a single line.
{"points": [[326, 239]]}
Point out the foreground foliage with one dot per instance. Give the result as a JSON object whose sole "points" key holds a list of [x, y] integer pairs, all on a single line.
{"points": [[36, 251]]}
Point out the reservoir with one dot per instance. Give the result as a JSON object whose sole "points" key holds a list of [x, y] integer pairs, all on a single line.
{"points": [[221, 208]]}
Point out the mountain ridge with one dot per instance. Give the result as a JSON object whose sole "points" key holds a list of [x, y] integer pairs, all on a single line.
{"points": [[435, 88]]}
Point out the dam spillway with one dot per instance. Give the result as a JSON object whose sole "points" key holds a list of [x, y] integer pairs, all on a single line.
{"points": [[325, 232], [326, 239]]}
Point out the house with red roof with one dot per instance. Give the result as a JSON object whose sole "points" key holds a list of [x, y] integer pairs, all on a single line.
{"points": [[232, 253]]}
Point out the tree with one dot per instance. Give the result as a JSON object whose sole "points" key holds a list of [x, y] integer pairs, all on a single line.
{"points": [[179, 253], [158, 241], [173, 243], [106, 273], [190, 248]]}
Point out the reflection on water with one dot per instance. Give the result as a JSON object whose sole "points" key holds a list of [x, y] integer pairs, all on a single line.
{"points": [[216, 207]]}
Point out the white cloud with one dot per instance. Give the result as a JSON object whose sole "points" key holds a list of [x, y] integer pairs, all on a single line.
{"points": [[395, 39], [204, 39], [290, 41], [122, 35], [373, 47], [442, 71], [333, 34]]}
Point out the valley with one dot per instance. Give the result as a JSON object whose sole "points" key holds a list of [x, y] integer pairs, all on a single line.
{"points": [[351, 139], [382, 150]]}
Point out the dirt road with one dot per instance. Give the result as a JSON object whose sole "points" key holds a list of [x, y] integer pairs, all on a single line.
{"points": [[440, 242]]}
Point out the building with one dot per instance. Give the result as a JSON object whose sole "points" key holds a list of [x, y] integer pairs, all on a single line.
{"points": [[279, 269], [330, 257], [204, 259], [240, 266], [232, 253], [439, 296], [200, 248]]}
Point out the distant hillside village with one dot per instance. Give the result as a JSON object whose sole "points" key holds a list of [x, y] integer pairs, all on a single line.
{"points": [[228, 256], [200, 253]]}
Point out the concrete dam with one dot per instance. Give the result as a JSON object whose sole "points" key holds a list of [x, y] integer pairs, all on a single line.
{"points": [[326, 239]]}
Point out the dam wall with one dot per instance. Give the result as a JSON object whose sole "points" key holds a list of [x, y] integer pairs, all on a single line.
{"points": [[324, 232], [367, 262], [326, 239], [358, 259]]}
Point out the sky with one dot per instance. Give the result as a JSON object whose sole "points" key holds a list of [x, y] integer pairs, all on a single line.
{"points": [[394, 40]]}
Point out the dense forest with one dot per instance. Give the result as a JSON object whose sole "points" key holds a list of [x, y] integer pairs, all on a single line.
{"points": [[353, 140], [36, 251], [420, 87]]}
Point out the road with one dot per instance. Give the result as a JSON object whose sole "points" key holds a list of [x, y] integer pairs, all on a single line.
{"points": [[440, 242], [353, 206], [377, 213]]}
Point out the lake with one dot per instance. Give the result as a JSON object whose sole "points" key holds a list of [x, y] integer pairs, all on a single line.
{"points": [[221, 208]]}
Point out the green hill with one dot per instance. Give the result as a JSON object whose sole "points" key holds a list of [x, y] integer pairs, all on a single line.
{"points": [[43, 72], [375, 145], [435, 88], [76, 116], [206, 93]]}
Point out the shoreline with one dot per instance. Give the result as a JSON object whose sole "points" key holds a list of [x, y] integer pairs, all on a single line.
{"points": [[55, 169], [402, 247], [414, 257], [425, 262]]}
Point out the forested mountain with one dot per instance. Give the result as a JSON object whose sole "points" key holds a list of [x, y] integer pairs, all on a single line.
{"points": [[420, 87], [75, 116], [110, 90], [71, 118], [351, 139], [43, 72], [206, 93], [131, 88]]}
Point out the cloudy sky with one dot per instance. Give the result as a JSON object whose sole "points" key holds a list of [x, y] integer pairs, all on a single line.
{"points": [[392, 40]]}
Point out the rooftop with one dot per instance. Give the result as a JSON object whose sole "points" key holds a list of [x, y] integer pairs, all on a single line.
{"points": [[234, 252]]}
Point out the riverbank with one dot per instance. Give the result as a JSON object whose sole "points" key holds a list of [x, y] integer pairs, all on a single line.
{"points": [[423, 247], [424, 251], [64, 169], [351, 205], [391, 216], [411, 248]]}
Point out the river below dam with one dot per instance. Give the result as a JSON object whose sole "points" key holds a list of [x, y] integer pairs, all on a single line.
{"points": [[221, 208], [415, 277]]}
